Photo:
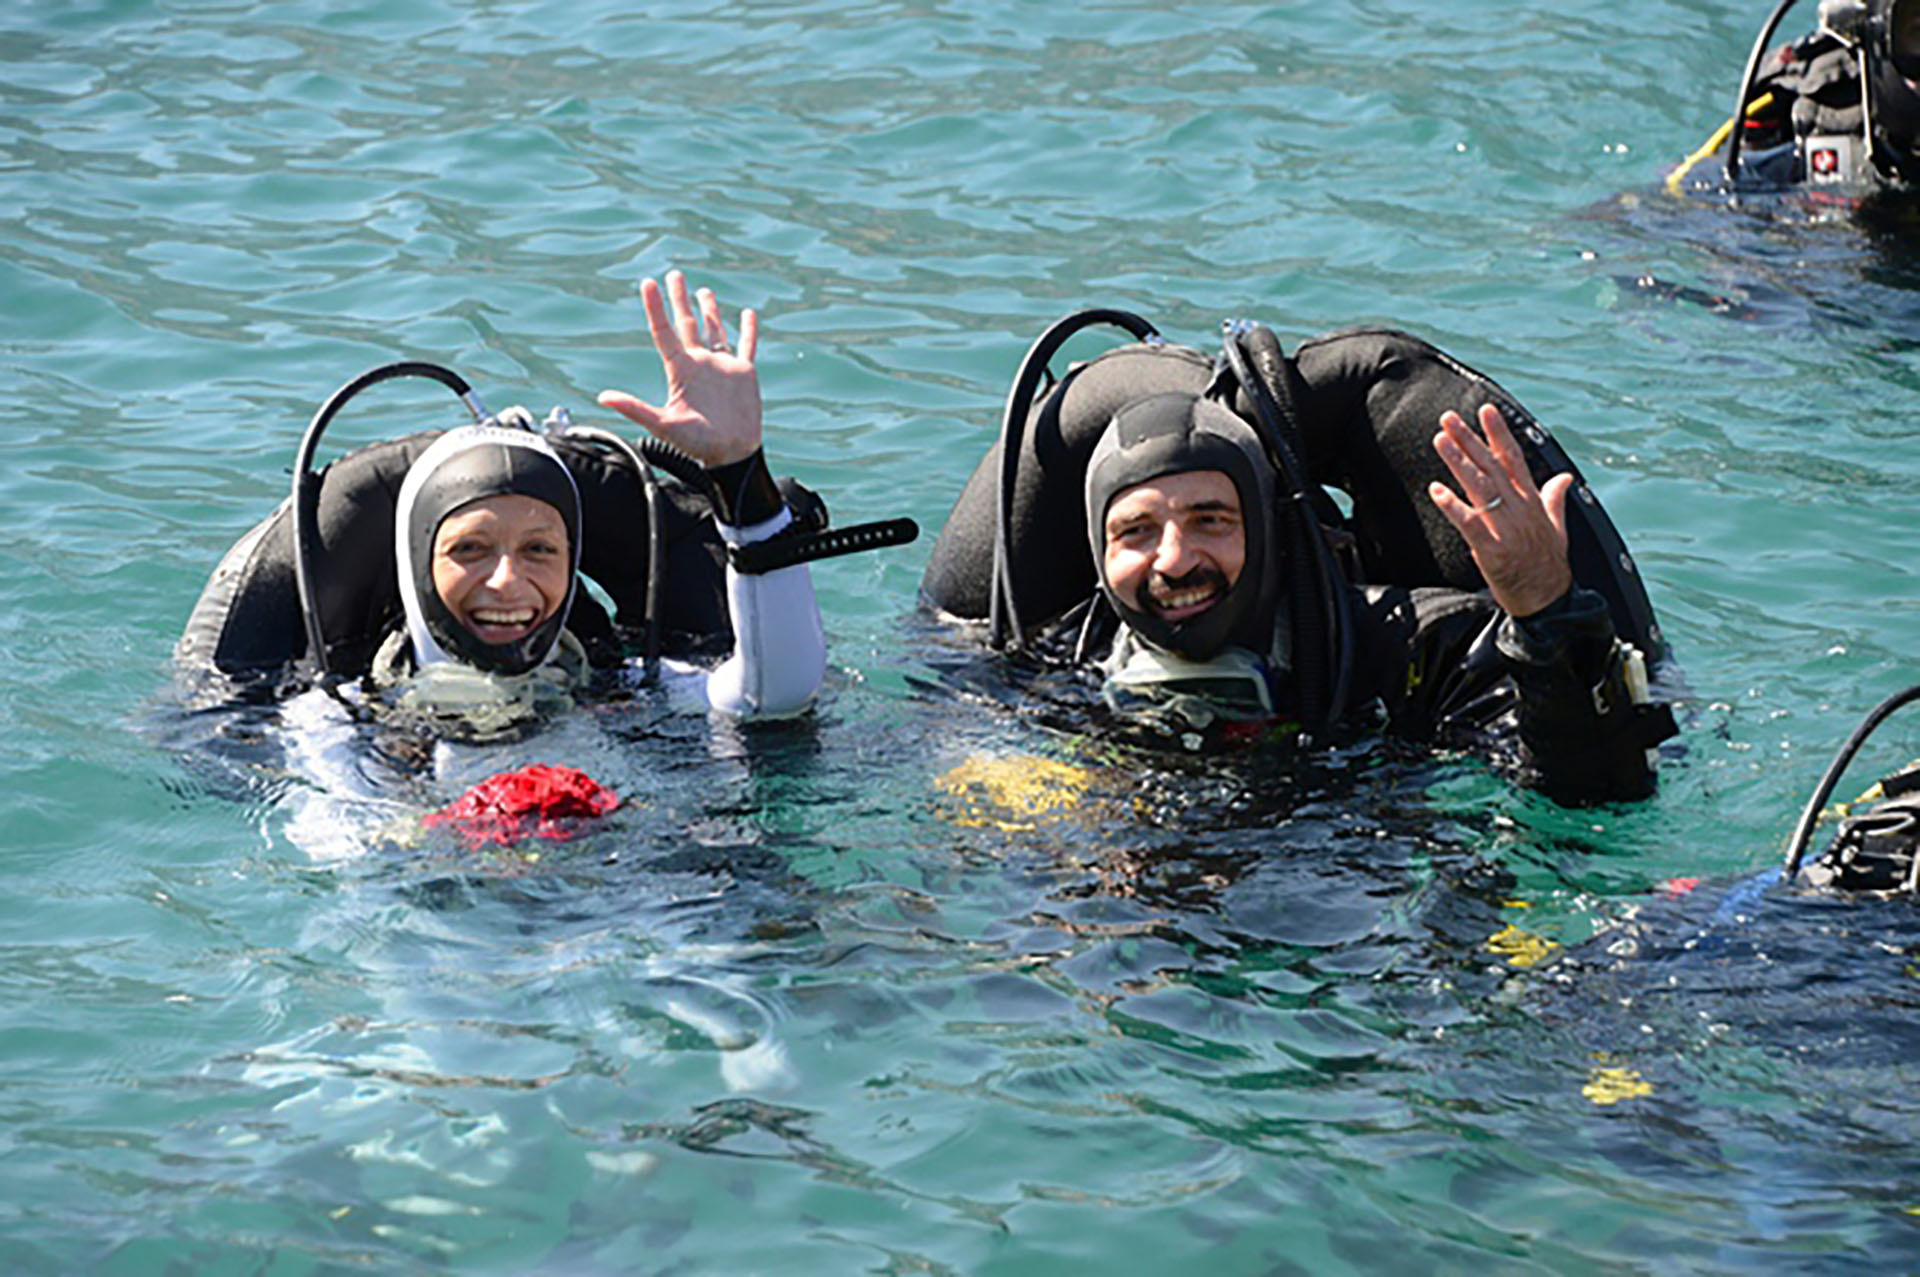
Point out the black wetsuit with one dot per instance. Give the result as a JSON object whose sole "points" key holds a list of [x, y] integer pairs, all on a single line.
{"points": [[1545, 698]]}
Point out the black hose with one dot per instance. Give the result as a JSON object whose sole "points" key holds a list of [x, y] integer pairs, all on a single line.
{"points": [[676, 463], [1803, 833], [1747, 79], [1003, 613], [786, 549], [306, 484], [1325, 671], [637, 457]]}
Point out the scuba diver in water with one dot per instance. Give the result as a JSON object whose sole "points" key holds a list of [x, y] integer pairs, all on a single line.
{"points": [[1877, 846], [488, 528], [1223, 590], [1837, 110], [444, 570]]}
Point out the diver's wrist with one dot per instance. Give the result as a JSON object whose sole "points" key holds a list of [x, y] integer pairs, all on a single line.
{"points": [[1560, 605], [744, 492]]}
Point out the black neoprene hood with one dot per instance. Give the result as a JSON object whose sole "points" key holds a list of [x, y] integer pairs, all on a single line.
{"points": [[1173, 434], [461, 467], [1893, 66]]}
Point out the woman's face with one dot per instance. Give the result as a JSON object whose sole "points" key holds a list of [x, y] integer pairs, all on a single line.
{"points": [[501, 565]]}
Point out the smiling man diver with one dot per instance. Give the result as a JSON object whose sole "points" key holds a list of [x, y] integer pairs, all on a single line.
{"points": [[1224, 594], [1179, 507]]}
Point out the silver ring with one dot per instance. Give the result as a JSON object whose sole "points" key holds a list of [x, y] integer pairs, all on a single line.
{"points": [[1487, 507]]}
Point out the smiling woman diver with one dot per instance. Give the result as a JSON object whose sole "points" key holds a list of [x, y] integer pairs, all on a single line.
{"points": [[434, 565]]}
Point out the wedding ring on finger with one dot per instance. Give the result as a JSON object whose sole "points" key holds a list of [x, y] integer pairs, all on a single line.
{"points": [[1488, 507]]}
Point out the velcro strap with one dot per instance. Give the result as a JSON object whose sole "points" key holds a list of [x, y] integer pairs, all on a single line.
{"points": [[789, 548]]}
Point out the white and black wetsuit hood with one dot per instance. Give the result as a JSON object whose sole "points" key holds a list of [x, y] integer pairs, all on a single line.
{"points": [[461, 466], [1171, 434]]}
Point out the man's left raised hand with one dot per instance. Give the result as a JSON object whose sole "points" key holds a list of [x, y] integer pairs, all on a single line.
{"points": [[1516, 532]]}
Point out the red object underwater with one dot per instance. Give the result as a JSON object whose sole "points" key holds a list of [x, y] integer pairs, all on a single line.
{"points": [[540, 801]]}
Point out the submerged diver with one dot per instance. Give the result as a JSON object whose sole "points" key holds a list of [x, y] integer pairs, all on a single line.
{"points": [[477, 598], [1221, 588], [1838, 109]]}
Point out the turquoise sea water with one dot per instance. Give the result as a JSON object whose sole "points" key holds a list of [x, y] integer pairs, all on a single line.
{"points": [[801, 1006]]}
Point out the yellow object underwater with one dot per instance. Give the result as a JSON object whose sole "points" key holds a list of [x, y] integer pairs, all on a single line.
{"points": [[1611, 1085], [1521, 948], [1013, 794]]}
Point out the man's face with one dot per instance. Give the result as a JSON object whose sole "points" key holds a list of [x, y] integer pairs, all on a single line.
{"points": [[1176, 544], [501, 565]]}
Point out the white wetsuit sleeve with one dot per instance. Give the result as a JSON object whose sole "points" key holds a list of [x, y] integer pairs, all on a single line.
{"points": [[779, 651]]}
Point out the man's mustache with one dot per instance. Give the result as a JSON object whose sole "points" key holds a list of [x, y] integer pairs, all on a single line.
{"points": [[1204, 576]]}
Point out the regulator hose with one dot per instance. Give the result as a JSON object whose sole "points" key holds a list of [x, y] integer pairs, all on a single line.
{"points": [[1004, 628], [1747, 79], [1323, 668], [306, 484], [1677, 178], [675, 462], [656, 536]]}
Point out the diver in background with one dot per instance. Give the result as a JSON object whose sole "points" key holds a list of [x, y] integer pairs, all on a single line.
{"points": [[1877, 845], [1838, 108], [1874, 850]]}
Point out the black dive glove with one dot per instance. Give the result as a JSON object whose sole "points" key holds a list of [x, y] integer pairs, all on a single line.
{"points": [[744, 492]]}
